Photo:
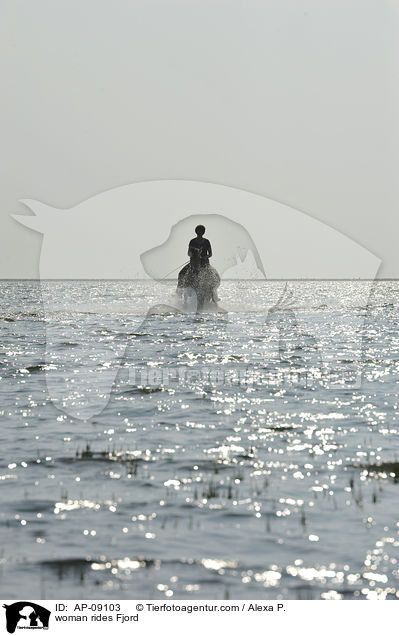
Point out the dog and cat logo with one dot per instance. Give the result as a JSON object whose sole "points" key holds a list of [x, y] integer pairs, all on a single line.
{"points": [[26, 615]]}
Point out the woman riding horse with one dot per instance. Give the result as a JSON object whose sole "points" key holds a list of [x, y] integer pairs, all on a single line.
{"points": [[198, 274]]}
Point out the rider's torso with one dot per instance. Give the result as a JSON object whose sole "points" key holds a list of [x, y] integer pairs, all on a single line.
{"points": [[200, 249]]}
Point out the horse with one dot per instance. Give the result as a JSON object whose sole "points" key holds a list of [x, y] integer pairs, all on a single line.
{"points": [[198, 282]]}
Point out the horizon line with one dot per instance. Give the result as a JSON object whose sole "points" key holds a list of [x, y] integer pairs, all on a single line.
{"points": [[254, 280]]}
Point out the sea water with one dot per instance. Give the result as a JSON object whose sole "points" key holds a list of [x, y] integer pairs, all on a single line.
{"points": [[175, 455]]}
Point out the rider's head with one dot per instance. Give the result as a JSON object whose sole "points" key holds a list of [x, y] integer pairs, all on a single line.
{"points": [[200, 230]]}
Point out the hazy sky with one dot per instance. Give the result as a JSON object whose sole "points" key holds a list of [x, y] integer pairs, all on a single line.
{"points": [[297, 101]]}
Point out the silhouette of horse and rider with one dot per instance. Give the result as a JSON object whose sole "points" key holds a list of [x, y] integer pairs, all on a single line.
{"points": [[198, 277]]}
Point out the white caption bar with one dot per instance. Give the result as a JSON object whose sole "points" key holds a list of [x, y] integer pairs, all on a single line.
{"points": [[106, 617]]}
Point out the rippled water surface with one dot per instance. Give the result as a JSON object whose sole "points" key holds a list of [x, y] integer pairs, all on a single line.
{"points": [[175, 455]]}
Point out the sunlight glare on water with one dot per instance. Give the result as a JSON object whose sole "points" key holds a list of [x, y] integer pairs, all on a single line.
{"points": [[188, 485]]}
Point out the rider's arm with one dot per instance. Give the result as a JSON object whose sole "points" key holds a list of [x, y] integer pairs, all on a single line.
{"points": [[209, 249]]}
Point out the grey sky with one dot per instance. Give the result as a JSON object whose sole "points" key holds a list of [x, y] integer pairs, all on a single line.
{"points": [[297, 101]]}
